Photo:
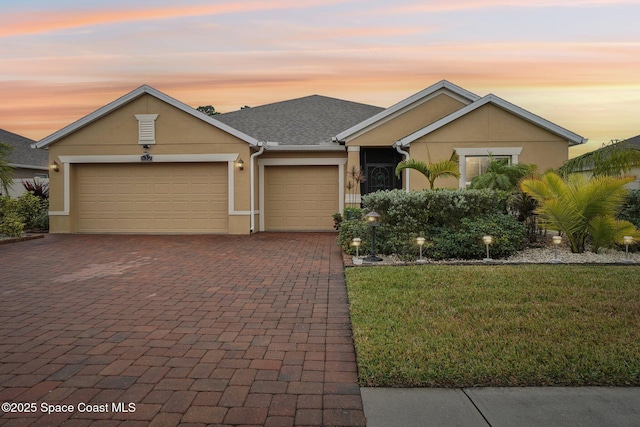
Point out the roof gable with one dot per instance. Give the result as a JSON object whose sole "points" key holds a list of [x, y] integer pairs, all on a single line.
{"points": [[411, 102], [571, 137], [144, 89], [308, 121]]}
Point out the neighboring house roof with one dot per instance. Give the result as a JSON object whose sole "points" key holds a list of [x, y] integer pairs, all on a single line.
{"points": [[309, 121], [573, 138], [424, 95], [635, 141], [23, 156], [142, 90]]}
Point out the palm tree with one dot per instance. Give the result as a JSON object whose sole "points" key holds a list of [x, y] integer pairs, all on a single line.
{"points": [[615, 159], [501, 175], [432, 171], [5, 170], [582, 208]]}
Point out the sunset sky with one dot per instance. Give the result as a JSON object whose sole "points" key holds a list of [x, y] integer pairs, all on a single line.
{"points": [[574, 62]]}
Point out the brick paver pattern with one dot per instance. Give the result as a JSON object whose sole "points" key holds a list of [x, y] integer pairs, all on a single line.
{"points": [[192, 330]]}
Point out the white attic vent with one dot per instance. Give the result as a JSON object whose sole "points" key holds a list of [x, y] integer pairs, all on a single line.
{"points": [[146, 128]]}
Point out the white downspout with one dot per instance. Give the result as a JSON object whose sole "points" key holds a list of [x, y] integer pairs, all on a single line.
{"points": [[252, 185], [396, 145]]}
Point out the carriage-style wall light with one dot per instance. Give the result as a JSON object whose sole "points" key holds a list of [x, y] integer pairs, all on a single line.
{"points": [[240, 164], [54, 166]]}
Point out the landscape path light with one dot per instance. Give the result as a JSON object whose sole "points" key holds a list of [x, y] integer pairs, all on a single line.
{"points": [[556, 242], [487, 240], [373, 218], [420, 241], [627, 240], [357, 242]]}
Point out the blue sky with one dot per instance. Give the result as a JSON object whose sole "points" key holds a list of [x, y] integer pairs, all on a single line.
{"points": [[574, 62]]}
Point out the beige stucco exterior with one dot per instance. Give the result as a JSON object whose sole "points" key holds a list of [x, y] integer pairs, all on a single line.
{"points": [[180, 138], [194, 159]]}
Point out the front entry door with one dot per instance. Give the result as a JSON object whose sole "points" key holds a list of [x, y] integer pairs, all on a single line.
{"points": [[379, 168]]}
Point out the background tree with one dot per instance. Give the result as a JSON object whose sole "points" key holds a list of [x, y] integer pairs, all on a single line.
{"points": [[208, 110], [615, 159], [6, 171], [432, 171], [582, 208]]}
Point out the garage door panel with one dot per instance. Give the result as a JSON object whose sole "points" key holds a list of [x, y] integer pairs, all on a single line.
{"points": [[152, 198], [300, 198]]}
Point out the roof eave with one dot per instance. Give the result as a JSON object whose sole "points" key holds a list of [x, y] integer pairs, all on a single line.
{"points": [[136, 93], [571, 137], [443, 84]]}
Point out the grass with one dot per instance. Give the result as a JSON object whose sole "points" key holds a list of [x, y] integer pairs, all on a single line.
{"points": [[524, 325]]}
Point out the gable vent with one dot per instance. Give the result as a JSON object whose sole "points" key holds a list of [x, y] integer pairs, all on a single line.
{"points": [[146, 128]]}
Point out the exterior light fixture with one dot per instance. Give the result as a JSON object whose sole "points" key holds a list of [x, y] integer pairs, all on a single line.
{"points": [[373, 218], [627, 240], [487, 240], [420, 241], [54, 166], [357, 242], [556, 242], [240, 164]]}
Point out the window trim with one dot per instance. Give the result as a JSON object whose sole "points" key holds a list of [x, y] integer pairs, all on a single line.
{"points": [[463, 153]]}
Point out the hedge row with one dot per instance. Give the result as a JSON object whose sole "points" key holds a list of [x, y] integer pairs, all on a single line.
{"points": [[453, 221]]}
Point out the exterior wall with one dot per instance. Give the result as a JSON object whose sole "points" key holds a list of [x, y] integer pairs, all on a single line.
{"points": [[116, 134], [489, 127], [396, 128], [408, 122]]}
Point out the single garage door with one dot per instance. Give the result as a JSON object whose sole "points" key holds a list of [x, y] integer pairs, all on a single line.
{"points": [[300, 198], [152, 198]]}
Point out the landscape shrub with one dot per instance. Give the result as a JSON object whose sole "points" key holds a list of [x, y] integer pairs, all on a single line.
{"points": [[630, 210], [454, 221], [26, 212], [11, 225], [436, 208], [465, 242]]}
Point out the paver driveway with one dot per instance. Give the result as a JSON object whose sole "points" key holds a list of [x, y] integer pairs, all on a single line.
{"points": [[218, 330]]}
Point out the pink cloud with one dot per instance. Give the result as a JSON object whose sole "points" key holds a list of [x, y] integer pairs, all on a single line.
{"points": [[12, 24]]}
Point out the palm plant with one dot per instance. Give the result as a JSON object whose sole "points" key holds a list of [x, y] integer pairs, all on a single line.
{"points": [[5, 170], [584, 209], [432, 171], [501, 175], [615, 159]]}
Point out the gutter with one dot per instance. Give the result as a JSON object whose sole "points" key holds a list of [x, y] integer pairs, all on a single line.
{"points": [[397, 146], [252, 185]]}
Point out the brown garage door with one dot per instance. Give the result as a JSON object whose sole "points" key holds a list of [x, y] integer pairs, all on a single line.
{"points": [[300, 198], [152, 198]]}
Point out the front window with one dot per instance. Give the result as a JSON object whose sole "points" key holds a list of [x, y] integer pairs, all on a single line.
{"points": [[474, 161], [477, 165]]}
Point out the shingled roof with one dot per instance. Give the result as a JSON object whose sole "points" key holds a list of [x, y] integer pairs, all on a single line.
{"points": [[22, 154], [311, 120]]}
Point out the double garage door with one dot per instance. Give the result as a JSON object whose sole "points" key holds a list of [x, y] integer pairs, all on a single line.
{"points": [[192, 198], [152, 198]]}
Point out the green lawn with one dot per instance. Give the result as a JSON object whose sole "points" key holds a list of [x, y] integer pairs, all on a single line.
{"points": [[519, 325]]}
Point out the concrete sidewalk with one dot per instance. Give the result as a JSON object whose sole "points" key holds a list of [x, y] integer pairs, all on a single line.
{"points": [[502, 407]]}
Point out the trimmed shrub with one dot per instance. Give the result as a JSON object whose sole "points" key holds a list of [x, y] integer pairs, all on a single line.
{"points": [[11, 225], [453, 221], [630, 210], [465, 242], [436, 208]]}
